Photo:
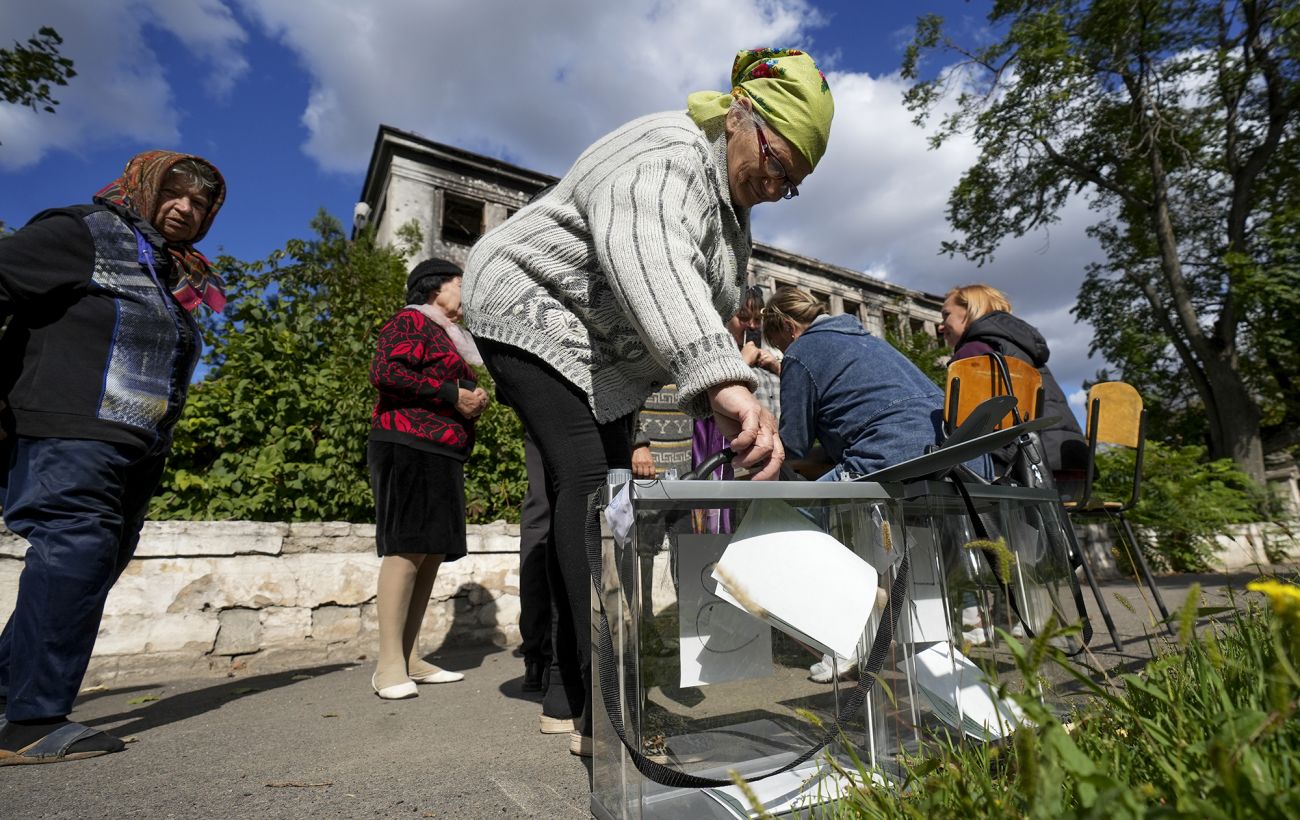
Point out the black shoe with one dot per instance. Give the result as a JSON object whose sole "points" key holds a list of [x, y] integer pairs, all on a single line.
{"points": [[535, 676]]}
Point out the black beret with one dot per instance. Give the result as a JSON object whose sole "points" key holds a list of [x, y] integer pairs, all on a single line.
{"points": [[433, 267]]}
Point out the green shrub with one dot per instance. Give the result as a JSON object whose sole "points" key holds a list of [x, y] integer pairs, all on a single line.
{"points": [[1186, 501], [277, 430]]}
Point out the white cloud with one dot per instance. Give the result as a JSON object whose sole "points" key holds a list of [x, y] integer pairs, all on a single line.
{"points": [[121, 89], [532, 82]]}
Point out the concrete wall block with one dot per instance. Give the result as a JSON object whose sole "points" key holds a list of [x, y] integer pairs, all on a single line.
{"points": [[306, 529], [12, 546], [9, 572], [241, 632], [345, 580], [131, 669], [328, 543], [162, 539], [1238, 550], [285, 625], [505, 610], [250, 581], [510, 580], [499, 542], [335, 624], [135, 634], [370, 619]]}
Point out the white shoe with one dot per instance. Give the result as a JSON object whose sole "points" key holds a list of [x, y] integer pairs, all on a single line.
{"points": [[439, 676], [398, 691], [580, 744], [554, 726], [822, 672]]}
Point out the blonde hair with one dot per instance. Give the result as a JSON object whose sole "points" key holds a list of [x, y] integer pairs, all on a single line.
{"points": [[978, 300], [790, 304]]}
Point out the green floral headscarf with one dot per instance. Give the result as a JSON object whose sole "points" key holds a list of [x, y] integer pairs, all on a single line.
{"points": [[787, 89]]}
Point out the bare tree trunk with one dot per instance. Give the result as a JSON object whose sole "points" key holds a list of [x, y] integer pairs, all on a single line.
{"points": [[1233, 414]]}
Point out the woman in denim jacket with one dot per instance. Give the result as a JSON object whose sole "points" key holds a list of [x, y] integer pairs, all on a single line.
{"points": [[866, 404]]}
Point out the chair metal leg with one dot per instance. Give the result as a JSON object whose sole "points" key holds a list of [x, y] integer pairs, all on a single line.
{"points": [[1145, 571], [1078, 557]]}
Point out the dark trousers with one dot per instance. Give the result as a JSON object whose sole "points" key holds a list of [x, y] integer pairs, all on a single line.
{"points": [[536, 615], [80, 504], [577, 451]]}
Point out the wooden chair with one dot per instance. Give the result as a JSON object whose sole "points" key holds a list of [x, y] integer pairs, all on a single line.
{"points": [[1117, 418], [977, 378], [972, 380]]}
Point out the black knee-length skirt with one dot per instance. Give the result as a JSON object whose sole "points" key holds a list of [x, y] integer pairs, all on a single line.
{"points": [[419, 501]]}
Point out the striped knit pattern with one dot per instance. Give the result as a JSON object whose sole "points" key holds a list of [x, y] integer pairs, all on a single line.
{"points": [[621, 277]]}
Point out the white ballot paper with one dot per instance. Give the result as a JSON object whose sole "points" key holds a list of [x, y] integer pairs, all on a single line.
{"points": [[810, 785], [783, 568], [961, 694], [718, 642]]}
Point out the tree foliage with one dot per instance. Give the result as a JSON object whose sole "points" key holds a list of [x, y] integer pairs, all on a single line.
{"points": [[924, 351], [1186, 501], [1177, 120], [277, 430], [27, 70]]}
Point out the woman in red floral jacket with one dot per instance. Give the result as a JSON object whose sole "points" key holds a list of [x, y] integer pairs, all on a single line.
{"points": [[421, 433]]}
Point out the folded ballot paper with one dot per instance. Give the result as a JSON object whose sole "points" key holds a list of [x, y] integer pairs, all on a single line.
{"points": [[962, 696], [783, 568]]}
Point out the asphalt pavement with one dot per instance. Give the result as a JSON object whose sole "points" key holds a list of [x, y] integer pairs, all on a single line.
{"points": [[318, 743]]}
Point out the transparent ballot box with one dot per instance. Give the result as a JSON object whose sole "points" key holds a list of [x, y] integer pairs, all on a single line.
{"points": [[720, 595]]}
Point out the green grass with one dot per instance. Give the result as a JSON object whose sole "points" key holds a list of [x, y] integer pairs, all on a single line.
{"points": [[1208, 729]]}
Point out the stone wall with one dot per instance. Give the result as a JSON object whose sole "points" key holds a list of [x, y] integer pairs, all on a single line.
{"points": [[215, 597], [212, 598], [1243, 547]]}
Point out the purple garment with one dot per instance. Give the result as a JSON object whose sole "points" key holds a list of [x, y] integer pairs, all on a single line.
{"points": [[967, 349], [707, 439]]}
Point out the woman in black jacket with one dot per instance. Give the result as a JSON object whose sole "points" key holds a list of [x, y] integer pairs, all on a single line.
{"points": [[977, 320], [94, 368]]}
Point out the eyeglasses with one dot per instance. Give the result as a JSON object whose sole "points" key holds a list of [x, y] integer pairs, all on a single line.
{"points": [[774, 167]]}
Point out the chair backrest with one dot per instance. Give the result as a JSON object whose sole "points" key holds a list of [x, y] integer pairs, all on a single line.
{"points": [[1115, 416], [974, 379]]}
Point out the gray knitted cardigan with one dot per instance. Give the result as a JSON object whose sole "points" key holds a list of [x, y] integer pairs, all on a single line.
{"points": [[620, 277]]}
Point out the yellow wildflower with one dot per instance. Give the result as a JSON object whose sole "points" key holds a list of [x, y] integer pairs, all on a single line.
{"points": [[1284, 597]]}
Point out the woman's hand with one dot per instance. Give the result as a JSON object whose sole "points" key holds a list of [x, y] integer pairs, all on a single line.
{"points": [[755, 356], [643, 464], [769, 362], [472, 403], [749, 427]]}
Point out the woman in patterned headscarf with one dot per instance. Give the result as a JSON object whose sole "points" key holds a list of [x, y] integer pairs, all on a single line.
{"points": [[94, 369], [620, 280]]}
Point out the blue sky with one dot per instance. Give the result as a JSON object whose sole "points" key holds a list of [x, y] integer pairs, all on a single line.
{"points": [[285, 96]]}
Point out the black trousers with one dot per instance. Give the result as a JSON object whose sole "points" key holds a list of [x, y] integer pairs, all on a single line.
{"points": [[577, 452], [536, 615]]}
